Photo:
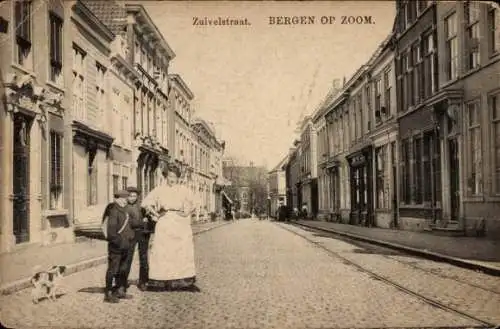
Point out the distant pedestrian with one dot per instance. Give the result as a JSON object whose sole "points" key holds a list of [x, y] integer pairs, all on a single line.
{"points": [[120, 236], [143, 228]]}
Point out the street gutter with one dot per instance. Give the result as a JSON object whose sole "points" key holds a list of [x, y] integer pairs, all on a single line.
{"points": [[471, 265], [21, 284]]}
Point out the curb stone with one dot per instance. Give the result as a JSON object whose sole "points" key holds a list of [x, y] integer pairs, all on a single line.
{"points": [[471, 265], [21, 284]]}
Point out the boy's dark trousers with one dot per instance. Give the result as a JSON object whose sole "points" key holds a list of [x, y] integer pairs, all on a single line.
{"points": [[117, 268], [142, 240]]}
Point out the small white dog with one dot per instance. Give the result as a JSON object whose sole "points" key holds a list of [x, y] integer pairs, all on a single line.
{"points": [[47, 283]]}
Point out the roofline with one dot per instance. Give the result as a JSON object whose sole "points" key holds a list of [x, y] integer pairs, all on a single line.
{"points": [[177, 78], [80, 8], [140, 10]]}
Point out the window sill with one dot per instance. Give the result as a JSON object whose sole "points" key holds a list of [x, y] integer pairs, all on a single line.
{"points": [[57, 86], [473, 198], [417, 206], [24, 70], [55, 212]]}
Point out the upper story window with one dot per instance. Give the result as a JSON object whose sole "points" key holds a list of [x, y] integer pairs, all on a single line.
{"points": [[22, 23], [472, 13], [378, 97], [451, 54], [56, 48], [79, 83], [100, 93], [387, 90], [494, 29]]}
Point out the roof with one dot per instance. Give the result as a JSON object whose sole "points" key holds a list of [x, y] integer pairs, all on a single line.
{"points": [[110, 13], [182, 85]]}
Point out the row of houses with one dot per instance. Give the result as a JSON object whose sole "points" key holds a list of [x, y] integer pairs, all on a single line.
{"points": [[411, 139], [89, 106]]}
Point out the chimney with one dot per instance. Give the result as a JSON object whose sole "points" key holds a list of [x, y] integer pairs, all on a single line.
{"points": [[343, 84]]}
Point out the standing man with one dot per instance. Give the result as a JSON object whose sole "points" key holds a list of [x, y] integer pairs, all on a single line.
{"points": [[120, 237], [143, 227]]}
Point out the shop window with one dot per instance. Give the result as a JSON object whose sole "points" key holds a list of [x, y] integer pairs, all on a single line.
{"points": [[405, 172], [475, 181], [417, 170], [381, 177]]}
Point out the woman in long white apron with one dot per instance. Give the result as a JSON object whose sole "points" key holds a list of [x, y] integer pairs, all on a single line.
{"points": [[171, 257]]}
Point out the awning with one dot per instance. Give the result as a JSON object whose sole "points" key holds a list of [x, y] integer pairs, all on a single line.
{"points": [[227, 198]]}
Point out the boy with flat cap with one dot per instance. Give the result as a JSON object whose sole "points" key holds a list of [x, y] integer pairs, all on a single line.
{"points": [[143, 227], [120, 236]]}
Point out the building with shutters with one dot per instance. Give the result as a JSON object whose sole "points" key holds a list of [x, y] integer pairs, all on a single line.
{"points": [[36, 180]]}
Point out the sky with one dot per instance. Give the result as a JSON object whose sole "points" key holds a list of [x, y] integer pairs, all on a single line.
{"points": [[254, 82]]}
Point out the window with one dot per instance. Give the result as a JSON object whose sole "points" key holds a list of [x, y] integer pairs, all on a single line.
{"points": [[472, 13], [429, 68], [416, 72], [79, 108], [23, 32], [56, 174], [427, 170], [116, 181], [387, 91], [360, 113], [417, 170], [381, 179], [56, 47], [436, 167], [495, 119], [405, 171], [474, 146], [101, 98], [378, 99], [451, 47], [92, 179], [124, 182], [494, 29], [422, 5]]}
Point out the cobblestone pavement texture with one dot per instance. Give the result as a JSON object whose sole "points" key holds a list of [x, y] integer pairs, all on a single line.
{"points": [[471, 248], [471, 292], [251, 274], [20, 264]]}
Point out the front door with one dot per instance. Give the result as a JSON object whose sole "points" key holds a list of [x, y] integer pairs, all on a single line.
{"points": [[20, 177], [454, 179]]}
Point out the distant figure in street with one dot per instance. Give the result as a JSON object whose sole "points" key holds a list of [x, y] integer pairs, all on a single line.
{"points": [[304, 211], [143, 227], [171, 257], [120, 236]]}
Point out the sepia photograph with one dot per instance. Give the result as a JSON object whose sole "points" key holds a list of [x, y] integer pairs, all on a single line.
{"points": [[249, 164]]}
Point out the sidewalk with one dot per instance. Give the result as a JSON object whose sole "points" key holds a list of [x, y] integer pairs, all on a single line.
{"points": [[470, 252], [17, 267]]}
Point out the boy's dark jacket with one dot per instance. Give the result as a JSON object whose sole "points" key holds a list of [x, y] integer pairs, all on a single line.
{"points": [[116, 218], [137, 214]]}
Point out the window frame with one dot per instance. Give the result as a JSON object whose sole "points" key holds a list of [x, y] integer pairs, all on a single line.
{"points": [[495, 163], [56, 174], [23, 21], [56, 47], [479, 176], [493, 17], [472, 27], [451, 40]]}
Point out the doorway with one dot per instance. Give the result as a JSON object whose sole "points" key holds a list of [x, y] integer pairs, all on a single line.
{"points": [[454, 179], [20, 177]]}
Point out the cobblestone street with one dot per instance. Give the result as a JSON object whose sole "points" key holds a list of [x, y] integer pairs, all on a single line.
{"points": [[260, 274]]}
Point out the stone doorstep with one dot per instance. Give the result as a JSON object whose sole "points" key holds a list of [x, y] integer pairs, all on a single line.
{"points": [[469, 264], [9, 288]]}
